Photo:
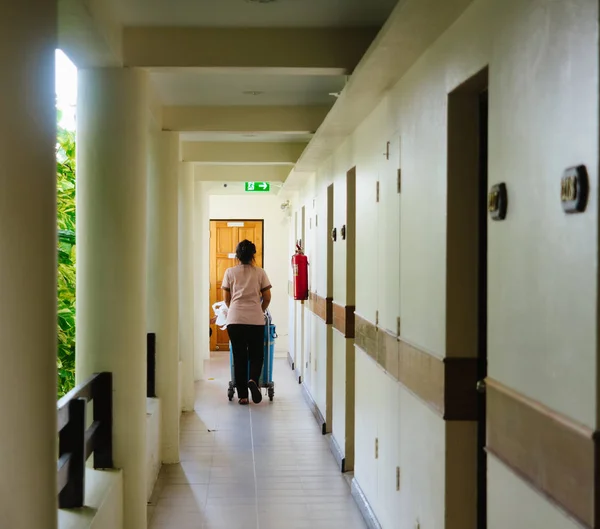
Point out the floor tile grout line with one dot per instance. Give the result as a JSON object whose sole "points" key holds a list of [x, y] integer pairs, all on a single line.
{"points": [[254, 467]]}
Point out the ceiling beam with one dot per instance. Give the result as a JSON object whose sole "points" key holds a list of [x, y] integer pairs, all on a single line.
{"points": [[320, 51], [248, 153], [241, 173], [88, 34], [244, 119]]}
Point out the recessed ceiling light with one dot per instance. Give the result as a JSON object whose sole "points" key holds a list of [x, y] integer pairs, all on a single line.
{"points": [[252, 92]]}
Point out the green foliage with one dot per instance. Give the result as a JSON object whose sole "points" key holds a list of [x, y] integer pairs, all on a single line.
{"points": [[65, 180]]}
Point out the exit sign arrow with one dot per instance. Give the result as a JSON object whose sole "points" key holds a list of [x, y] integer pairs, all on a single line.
{"points": [[258, 186]]}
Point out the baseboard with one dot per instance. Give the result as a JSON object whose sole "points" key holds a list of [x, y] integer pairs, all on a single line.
{"points": [[337, 453], [291, 361], [364, 506], [315, 409]]}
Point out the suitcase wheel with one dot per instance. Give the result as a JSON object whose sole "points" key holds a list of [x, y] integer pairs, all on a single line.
{"points": [[271, 393], [230, 391]]}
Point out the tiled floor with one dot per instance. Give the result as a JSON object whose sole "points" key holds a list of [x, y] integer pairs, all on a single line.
{"points": [[263, 466]]}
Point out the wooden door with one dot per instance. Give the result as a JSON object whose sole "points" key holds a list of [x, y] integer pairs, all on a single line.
{"points": [[224, 237]]}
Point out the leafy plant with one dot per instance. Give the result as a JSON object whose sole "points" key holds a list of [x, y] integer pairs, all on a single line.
{"points": [[65, 180]]}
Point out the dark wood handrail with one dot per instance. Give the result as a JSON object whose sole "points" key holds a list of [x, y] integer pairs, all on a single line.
{"points": [[76, 443]]}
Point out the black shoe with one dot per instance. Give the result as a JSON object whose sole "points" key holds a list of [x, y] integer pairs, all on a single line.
{"points": [[255, 390]]}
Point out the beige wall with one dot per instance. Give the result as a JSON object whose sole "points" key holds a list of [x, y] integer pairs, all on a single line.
{"points": [[543, 71], [201, 278], [153, 443]]}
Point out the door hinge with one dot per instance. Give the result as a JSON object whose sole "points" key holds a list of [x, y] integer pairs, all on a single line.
{"points": [[377, 192], [387, 150], [376, 317], [399, 180], [398, 479], [398, 327], [376, 448]]}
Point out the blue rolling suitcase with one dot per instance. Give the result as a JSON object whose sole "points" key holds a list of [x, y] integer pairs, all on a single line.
{"points": [[266, 376]]}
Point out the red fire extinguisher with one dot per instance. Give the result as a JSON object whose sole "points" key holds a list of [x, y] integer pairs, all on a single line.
{"points": [[300, 272]]}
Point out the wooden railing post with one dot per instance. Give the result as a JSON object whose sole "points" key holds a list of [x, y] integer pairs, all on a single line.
{"points": [[76, 443], [72, 444], [103, 413], [151, 369]]}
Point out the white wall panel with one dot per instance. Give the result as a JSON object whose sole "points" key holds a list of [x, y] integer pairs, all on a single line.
{"points": [[339, 388]]}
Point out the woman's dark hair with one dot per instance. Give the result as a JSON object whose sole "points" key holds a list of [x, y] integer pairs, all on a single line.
{"points": [[245, 252]]}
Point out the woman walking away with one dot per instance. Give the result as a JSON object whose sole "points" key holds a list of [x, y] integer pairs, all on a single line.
{"points": [[247, 293]]}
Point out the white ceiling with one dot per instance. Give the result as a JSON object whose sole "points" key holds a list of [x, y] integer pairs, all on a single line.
{"points": [[192, 87], [220, 86], [254, 137], [243, 13]]}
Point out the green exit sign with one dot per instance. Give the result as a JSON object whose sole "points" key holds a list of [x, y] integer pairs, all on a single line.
{"points": [[258, 186]]}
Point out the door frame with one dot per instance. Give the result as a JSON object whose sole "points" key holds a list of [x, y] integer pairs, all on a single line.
{"points": [[466, 294], [330, 223], [482, 292]]}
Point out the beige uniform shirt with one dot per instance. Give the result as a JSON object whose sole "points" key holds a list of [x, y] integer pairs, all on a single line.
{"points": [[246, 284]]}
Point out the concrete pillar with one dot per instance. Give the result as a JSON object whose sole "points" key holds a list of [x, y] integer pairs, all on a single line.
{"points": [[111, 259], [163, 286], [28, 266], [203, 312], [186, 282]]}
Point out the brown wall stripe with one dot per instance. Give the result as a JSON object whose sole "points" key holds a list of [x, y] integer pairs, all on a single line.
{"points": [[320, 307], [551, 452], [344, 319], [558, 457], [447, 386]]}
